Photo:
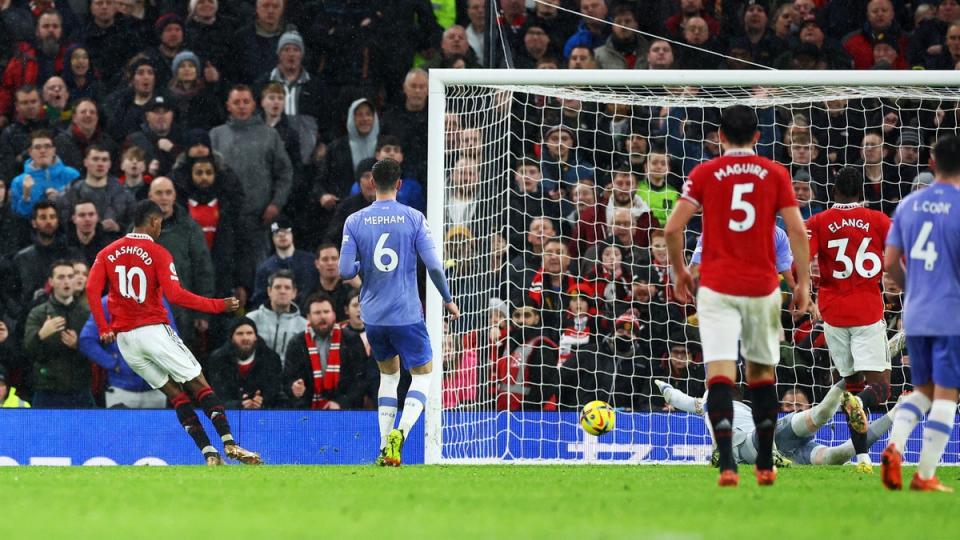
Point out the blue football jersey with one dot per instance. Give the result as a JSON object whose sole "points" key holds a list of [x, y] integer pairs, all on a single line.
{"points": [[382, 243], [926, 226]]}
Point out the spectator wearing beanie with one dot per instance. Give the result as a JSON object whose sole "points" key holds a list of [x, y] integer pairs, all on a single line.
{"points": [[353, 203], [169, 32], [124, 108], [303, 95], [198, 91], [244, 372]]}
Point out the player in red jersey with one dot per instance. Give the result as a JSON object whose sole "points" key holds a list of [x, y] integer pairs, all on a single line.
{"points": [[140, 272], [739, 294], [850, 241]]}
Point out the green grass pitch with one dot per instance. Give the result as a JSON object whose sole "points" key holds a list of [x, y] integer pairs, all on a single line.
{"points": [[464, 502]]}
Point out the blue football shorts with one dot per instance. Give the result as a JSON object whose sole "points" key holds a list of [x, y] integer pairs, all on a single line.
{"points": [[410, 341]]}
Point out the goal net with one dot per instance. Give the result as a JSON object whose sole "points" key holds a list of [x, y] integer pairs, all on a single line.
{"points": [[548, 192]]}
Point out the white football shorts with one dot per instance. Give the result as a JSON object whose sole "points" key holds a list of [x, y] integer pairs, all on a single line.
{"points": [[858, 348], [754, 321], [157, 353]]}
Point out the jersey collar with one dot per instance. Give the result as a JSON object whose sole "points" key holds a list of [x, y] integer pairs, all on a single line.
{"points": [[139, 236], [737, 152], [846, 206]]}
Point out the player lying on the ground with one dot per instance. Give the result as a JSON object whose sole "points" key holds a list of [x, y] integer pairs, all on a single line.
{"points": [[794, 432]]}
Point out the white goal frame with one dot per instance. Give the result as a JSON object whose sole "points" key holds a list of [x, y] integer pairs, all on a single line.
{"points": [[441, 79]]}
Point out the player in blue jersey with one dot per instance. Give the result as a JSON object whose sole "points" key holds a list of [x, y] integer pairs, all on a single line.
{"points": [[926, 228], [381, 243]]}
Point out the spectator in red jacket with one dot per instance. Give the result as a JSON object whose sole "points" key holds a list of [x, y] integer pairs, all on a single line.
{"points": [[689, 9], [34, 63], [880, 26]]}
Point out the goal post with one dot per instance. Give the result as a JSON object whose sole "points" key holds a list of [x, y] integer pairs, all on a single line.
{"points": [[487, 404]]}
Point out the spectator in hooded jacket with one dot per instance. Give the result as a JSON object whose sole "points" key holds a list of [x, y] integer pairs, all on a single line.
{"points": [[279, 319]]}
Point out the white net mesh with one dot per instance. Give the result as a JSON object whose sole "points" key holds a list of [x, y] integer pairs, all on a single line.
{"points": [[552, 204]]}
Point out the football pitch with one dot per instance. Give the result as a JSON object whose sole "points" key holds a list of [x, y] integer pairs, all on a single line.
{"points": [[464, 502]]}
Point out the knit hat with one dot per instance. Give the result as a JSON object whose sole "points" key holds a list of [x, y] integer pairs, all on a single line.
{"points": [[185, 56], [165, 20], [197, 136], [909, 137], [242, 321], [290, 38]]}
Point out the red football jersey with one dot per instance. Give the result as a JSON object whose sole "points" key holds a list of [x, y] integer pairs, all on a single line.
{"points": [[849, 240], [140, 272], [740, 194]]}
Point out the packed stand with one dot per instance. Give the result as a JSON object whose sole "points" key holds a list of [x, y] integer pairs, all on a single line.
{"points": [[254, 126]]}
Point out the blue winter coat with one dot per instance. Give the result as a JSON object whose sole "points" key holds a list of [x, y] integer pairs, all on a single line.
{"points": [[57, 176]]}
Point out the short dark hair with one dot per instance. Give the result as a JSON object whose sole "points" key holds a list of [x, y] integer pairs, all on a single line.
{"points": [[57, 264], [386, 172], [84, 200], [849, 182], [204, 159], [738, 123], [41, 134], [584, 47], [144, 211], [389, 140], [26, 89], [96, 147], [946, 155], [327, 245], [42, 205], [240, 88], [317, 298], [282, 274]]}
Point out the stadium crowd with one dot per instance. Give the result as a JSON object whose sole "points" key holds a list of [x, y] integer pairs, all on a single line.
{"points": [[255, 124]]}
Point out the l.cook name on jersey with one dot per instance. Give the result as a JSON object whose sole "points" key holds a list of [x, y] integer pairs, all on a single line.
{"points": [[383, 220], [741, 168], [131, 250], [857, 223], [931, 207]]}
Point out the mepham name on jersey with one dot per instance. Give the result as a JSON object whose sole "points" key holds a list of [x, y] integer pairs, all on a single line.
{"points": [[383, 220], [858, 223], [131, 250], [741, 168]]}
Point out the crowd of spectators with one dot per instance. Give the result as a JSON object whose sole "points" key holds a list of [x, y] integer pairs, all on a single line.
{"points": [[254, 125]]}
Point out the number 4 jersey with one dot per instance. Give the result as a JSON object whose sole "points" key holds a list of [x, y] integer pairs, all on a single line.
{"points": [[848, 241], [140, 272], [741, 194], [926, 226]]}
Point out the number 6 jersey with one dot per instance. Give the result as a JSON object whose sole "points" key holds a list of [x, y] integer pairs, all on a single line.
{"points": [[381, 243], [741, 194], [140, 272], [848, 241]]}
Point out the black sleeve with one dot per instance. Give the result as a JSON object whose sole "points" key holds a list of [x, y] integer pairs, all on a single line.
{"points": [[269, 384], [297, 367]]}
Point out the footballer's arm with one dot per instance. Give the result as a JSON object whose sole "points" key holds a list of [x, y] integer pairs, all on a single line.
{"points": [[800, 245], [674, 233], [892, 258]]}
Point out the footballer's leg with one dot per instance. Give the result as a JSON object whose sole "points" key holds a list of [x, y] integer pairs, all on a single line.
{"points": [[213, 408], [939, 424], [191, 423], [387, 403], [762, 381], [413, 344], [910, 411]]}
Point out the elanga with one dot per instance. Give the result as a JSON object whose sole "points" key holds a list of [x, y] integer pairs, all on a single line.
{"points": [[858, 223]]}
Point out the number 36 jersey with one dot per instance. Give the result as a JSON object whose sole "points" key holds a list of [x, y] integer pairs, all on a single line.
{"points": [[139, 272], [740, 194], [848, 242]]}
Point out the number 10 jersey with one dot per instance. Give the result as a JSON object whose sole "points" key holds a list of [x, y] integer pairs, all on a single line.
{"points": [[139, 272]]}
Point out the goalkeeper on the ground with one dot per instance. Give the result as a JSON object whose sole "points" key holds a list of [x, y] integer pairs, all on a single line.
{"points": [[794, 435]]}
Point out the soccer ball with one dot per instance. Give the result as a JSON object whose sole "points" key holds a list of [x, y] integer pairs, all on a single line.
{"points": [[597, 418]]}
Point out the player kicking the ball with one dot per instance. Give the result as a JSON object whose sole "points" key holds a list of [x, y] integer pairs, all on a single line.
{"points": [[386, 237], [140, 273], [739, 296], [849, 239], [926, 227]]}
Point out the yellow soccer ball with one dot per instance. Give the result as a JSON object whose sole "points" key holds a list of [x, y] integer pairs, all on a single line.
{"points": [[597, 418]]}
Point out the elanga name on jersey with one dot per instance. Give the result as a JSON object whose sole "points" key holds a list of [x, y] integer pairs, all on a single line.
{"points": [[741, 168], [855, 223]]}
